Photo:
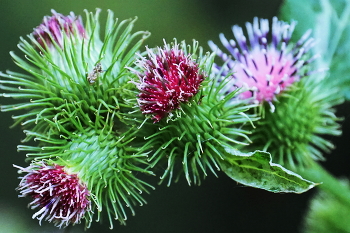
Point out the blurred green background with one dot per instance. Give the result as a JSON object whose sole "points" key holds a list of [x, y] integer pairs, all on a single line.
{"points": [[218, 205]]}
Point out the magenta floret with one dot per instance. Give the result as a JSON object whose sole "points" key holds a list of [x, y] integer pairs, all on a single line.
{"points": [[60, 197], [169, 78]]}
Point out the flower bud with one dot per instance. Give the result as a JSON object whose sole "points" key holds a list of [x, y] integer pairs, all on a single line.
{"points": [[105, 160], [273, 70], [193, 120], [49, 32], [169, 78], [59, 196], [85, 78]]}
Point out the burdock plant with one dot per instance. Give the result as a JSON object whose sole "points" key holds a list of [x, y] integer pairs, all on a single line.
{"points": [[295, 106], [100, 114]]}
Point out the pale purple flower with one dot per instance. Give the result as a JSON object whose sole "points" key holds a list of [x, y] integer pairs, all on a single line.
{"points": [[266, 62], [52, 27]]}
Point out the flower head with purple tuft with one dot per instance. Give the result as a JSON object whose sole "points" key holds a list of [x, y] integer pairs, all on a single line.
{"points": [[264, 68]]}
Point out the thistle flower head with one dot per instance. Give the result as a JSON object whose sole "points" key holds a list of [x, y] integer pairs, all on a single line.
{"points": [[268, 63], [270, 67], [59, 196], [51, 29], [206, 120], [87, 77], [168, 78], [109, 161]]}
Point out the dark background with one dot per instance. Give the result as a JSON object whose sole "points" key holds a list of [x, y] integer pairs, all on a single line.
{"points": [[219, 204]]}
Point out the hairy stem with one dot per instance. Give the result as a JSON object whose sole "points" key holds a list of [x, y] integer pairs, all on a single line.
{"points": [[329, 183]]}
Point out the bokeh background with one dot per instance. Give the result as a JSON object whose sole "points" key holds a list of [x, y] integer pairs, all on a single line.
{"points": [[219, 204]]}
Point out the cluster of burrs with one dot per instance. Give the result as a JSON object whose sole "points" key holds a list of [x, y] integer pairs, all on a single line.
{"points": [[104, 113]]}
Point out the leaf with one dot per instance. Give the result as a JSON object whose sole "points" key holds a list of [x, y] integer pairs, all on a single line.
{"points": [[330, 22], [304, 12], [256, 170]]}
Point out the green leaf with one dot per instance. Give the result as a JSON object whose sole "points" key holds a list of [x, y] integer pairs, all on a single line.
{"points": [[304, 12], [256, 170], [330, 23]]}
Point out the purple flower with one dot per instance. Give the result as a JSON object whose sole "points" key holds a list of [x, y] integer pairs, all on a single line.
{"points": [[168, 78], [52, 27], [58, 195], [268, 63]]}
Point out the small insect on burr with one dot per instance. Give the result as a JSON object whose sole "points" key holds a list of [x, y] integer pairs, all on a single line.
{"points": [[93, 76]]}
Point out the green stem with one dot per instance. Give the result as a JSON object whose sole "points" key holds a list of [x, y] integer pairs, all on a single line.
{"points": [[328, 182]]}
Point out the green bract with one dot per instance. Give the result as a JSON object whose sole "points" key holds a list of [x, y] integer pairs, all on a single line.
{"points": [[105, 161], [293, 133], [80, 108], [90, 117], [58, 82], [196, 132]]}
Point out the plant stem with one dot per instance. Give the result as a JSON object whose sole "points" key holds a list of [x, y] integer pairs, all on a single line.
{"points": [[328, 182]]}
